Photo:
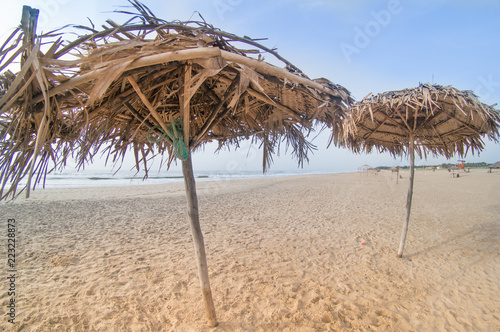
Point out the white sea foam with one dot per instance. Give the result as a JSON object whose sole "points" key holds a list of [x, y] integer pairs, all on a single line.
{"points": [[101, 178]]}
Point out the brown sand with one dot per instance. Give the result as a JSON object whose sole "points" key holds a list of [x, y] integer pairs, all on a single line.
{"points": [[284, 254]]}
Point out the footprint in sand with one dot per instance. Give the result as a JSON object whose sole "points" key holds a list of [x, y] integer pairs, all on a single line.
{"points": [[64, 260]]}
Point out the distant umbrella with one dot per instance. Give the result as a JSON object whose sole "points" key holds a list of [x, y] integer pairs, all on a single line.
{"points": [[428, 119], [152, 87], [396, 170], [365, 168], [495, 165]]}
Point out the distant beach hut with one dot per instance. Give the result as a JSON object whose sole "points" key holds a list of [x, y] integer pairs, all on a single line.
{"points": [[396, 170], [435, 119], [365, 169], [494, 166], [151, 87]]}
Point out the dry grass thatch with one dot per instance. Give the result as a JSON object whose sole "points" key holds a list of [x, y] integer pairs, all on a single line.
{"points": [[153, 87], [441, 119]]}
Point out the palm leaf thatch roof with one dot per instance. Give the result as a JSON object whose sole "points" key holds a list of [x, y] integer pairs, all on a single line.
{"points": [[442, 120], [152, 87]]}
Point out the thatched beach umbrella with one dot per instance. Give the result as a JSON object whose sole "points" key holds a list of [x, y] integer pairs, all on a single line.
{"points": [[365, 168], [428, 119], [396, 170], [153, 88], [495, 165]]}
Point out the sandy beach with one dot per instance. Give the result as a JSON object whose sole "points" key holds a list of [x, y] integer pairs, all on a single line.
{"points": [[303, 253]]}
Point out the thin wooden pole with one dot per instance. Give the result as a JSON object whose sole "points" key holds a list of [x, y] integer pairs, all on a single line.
{"points": [[409, 197], [199, 245], [29, 20], [185, 102]]}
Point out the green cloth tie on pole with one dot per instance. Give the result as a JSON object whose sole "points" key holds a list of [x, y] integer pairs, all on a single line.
{"points": [[175, 135]]}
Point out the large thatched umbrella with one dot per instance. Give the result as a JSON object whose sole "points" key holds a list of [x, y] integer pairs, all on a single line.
{"points": [[427, 119], [156, 88]]}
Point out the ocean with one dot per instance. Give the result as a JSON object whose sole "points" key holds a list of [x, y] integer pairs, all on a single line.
{"points": [[70, 178]]}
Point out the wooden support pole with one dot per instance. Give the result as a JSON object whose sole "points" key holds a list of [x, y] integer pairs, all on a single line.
{"points": [[199, 245], [409, 197], [185, 101], [29, 21]]}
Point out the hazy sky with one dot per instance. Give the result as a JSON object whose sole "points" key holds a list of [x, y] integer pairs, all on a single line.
{"points": [[366, 46]]}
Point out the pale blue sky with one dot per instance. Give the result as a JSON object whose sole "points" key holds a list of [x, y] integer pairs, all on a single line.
{"points": [[366, 46]]}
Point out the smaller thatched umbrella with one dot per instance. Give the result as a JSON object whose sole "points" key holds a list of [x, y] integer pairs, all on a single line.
{"points": [[364, 168], [396, 170], [427, 119], [495, 165]]}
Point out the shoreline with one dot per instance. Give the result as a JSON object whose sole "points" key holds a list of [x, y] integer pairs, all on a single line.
{"points": [[200, 179], [89, 191], [99, 180], [168, 188]]}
